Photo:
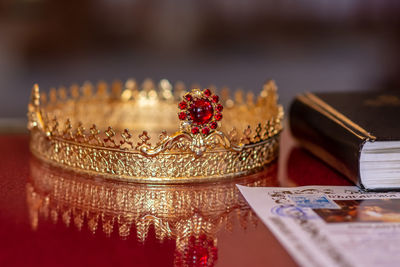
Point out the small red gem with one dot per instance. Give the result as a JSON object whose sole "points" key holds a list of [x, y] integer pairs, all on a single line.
{"points": [[207, 92], [220, 108], [182, 105], [213, 125], [188, 97], [215, 98], [195, 130], [201, 111], [205, 130], [218, 116], [182, 115]]}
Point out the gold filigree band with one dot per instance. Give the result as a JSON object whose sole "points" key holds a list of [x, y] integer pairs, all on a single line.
{"points": [[72, 130]]}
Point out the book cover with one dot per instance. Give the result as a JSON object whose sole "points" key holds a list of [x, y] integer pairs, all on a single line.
{"points": [[347, 130]]}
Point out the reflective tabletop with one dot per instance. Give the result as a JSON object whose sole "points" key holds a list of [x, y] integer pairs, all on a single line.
{"points": [[53, 217]]}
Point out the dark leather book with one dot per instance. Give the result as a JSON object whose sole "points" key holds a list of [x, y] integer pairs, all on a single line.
{"points": [[357, 133]]}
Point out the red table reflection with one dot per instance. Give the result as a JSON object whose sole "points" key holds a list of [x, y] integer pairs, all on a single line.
{"points": [[50, 217]]}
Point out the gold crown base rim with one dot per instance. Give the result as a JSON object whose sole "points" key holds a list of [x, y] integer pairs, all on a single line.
{"points": [[235, 164], [161, 180]]}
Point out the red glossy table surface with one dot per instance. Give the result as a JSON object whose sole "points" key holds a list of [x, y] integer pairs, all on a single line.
{"points": [[236, 242]]}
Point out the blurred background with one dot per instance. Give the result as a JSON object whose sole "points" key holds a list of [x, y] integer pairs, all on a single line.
{"points": [[304, 45]]}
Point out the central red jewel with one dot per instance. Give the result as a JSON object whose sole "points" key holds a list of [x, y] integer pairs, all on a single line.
{"points": [[201, 111]]}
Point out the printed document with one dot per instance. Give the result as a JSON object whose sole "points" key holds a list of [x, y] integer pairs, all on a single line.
{"points": [[331, 225]]}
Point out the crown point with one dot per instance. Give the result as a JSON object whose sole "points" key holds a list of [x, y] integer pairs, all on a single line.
{"points": [[207, 92], [269, 86], [35, 95], [165, 85], [35, 87]]}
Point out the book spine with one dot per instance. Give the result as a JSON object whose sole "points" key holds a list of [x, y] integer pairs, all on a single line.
{"points": [[326, 136]]}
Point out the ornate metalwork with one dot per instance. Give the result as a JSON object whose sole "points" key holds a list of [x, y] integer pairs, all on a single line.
{"points": [[247, 139], [179, 212]]}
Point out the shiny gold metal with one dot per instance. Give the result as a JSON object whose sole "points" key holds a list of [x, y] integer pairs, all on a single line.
{"points": [[73, 131], [176, 212]]}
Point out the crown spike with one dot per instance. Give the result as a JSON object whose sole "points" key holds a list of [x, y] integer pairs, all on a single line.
{"points": [[67, 133], [131, 84], [102, 89], [109, 140], [148, 85], [267, 126], [43, 98], [62, 93], [269, 87], [92, 221], [142, 228], [66, 217], [35, 95], [233, 135], [246, 139], [225, 93], [165, 90], [131, 90], [124, 225], [144, 140], [87, 89], [179, 90], [79, 216], [54, 215], [94, 136], [257, 137], [116, 89], [80, 133], [239, 96], [250, 99], [148, 89], [53, 130], [74, 91], [44, 208], [35, 118], [53, 95], [108, 224], [126, 142], [34, 202]]}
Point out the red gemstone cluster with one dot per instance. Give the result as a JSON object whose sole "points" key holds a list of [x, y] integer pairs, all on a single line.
{"points": [[200, 251], [202, 110]]}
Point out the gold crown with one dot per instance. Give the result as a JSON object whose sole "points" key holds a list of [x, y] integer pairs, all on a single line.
{"points": [[72, 130], [191, 215]]}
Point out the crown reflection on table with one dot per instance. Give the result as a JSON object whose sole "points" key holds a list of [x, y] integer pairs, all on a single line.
{"points": [[190, 214]]}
